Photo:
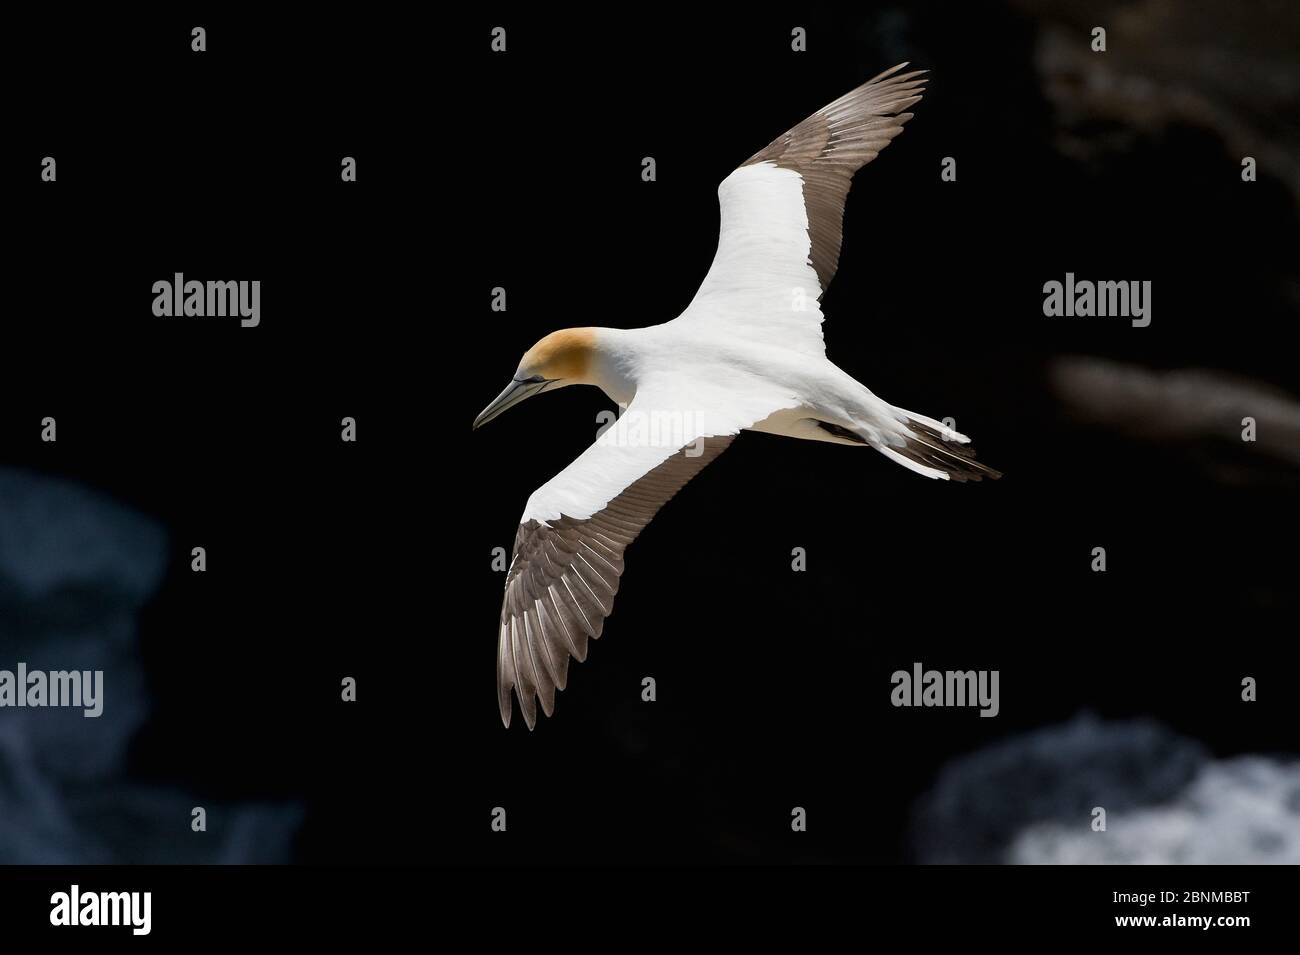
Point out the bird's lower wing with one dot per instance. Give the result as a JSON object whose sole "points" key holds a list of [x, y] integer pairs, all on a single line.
{"points": [[568, 556]]}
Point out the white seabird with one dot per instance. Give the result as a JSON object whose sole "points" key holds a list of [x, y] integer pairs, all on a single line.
{"points": [[747, 354]]}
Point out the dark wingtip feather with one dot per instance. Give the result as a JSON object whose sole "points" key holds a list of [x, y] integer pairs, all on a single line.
{"points": [[931, 449]]}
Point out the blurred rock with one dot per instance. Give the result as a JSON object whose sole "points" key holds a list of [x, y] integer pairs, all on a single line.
{"points": [[1227, 68], [983, 801], [1239, 812], [75, 569], [58, 538], [1198, 408]]}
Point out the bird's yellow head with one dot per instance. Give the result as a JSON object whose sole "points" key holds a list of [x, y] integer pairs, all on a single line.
{"points": [[561, 358]]}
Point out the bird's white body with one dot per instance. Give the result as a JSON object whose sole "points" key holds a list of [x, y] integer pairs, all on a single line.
{"points": [[786, 388], [747, 353]]}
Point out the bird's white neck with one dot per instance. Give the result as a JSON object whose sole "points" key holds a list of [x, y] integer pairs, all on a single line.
{"points": [[615, 362]]}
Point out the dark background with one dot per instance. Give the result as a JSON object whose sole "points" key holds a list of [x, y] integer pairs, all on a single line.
{"points": [[522, 170]]}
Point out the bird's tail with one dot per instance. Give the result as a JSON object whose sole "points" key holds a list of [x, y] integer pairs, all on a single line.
{"points": [[931, 448]]}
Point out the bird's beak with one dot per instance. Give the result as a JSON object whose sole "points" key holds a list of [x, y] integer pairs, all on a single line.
{"points": [[515, 392]]}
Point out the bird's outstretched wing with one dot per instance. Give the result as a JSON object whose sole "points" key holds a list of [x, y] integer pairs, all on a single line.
{"points": [[568, 556], [783, 215]]}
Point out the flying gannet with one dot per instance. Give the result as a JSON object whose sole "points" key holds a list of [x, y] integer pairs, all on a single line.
{"points": [[747, 354]]}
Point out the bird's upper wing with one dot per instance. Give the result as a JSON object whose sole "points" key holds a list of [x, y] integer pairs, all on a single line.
{"points": [[568, 554], [783, 213]]}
